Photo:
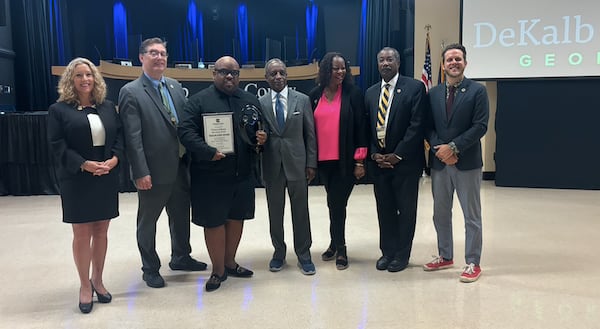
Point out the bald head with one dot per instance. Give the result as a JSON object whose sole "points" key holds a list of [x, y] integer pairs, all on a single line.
{"points": [[226, 75]]}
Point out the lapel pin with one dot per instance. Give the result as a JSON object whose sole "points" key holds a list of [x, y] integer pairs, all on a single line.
{"points": [[398, 90], [172, 86]]}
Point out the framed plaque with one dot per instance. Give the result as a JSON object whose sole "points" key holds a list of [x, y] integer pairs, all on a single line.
{"points": [[218, 131]]}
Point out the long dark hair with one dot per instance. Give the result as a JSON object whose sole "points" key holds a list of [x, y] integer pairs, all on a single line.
{"points": [[326, 70]]}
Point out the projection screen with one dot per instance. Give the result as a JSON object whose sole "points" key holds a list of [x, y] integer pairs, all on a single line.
{"points": [[531, 38]]}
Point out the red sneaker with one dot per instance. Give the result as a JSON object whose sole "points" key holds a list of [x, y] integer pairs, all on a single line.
{"points": [[438, 263], [471, 273]]}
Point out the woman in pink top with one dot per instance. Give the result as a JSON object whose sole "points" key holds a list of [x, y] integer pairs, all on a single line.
{"points": [[340, 124]]}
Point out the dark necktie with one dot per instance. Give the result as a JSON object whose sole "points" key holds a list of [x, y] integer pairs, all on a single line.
{"points": [[170, 111], [165, 100], [279, 112], [450, 101], [384, 104]]}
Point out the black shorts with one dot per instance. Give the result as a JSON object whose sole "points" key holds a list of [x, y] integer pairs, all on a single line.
{"points": [[216, 200]]}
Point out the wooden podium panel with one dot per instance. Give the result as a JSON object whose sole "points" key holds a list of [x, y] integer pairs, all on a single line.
{"points": [[119, 72]]}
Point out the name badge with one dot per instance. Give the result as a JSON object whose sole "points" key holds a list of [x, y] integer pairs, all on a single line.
{"points": [[380, 132]]}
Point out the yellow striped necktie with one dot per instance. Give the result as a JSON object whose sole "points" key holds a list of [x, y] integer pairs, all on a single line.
{"points": [[384, 104]]}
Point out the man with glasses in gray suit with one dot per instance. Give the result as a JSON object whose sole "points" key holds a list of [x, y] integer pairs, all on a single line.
{"points": [[150, 107]]}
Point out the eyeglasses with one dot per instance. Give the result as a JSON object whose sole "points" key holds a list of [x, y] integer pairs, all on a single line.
{"points": [[226, 72], [156, 53]]}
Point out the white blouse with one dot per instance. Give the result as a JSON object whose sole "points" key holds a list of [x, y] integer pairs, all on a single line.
{"points": [[97, 130]]}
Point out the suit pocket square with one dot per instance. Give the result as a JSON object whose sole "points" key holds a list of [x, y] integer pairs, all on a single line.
{"points": [[296, 113]]}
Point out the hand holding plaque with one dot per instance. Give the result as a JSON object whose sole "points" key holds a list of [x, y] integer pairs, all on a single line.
{"points": [[218, 131]]}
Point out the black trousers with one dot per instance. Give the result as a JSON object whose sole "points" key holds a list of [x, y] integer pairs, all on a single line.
{"points": [[396, 196], [338, 188]]}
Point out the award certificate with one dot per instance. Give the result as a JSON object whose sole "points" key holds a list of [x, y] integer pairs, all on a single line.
{"points": [[218, 131]]}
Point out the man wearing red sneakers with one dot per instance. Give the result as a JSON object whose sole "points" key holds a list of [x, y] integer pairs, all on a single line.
{"points": [[460, 112]]}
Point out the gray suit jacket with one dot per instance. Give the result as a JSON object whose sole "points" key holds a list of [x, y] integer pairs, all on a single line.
{"points": [[151, 141], [294, 148]]}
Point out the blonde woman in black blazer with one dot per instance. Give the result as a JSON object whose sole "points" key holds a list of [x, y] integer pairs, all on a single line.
{"points": [[86, 141]]}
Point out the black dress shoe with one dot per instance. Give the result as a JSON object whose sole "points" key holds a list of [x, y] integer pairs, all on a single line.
{"points": [[153, 280], [214, 282], [382, 263], [238, 271], [397, 265], [104, 299], [187, 264]]}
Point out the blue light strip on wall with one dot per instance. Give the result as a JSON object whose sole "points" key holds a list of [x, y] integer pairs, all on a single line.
{"points": [[312, 13], [120, 30], [243, 32], [193, 33], [56, 28], [362, 39], [200, 29]]}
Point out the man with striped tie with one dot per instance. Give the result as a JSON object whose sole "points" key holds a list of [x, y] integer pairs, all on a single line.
{"points": [[397, 108]]}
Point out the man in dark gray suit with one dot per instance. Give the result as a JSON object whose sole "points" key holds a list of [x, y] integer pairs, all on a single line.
{"points": [[289, 160], [460, 113], [397, 108], [149, 109]]}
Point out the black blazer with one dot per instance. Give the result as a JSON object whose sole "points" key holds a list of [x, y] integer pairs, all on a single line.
{"points": [[70, 137], [405, 130], [465, 127], [352, 123]]}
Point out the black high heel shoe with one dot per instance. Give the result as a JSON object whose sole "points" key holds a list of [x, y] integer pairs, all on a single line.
{"points": [[87, 307], [329, 254], [341, 262], [104, 299]]}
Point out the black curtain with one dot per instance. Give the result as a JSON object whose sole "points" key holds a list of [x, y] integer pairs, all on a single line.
{"points": [[546, 133], [39, 42], [390, 23]]}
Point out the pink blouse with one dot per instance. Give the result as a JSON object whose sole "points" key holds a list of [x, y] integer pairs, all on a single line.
{"points": [[327, 126]]}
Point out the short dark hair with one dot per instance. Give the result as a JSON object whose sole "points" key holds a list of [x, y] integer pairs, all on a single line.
{"points": [[393, 50], [326, 67], [455, 46], [146, 43]]}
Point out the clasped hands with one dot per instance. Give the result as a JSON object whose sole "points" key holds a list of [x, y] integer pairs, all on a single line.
{"points": [[445, 154], [385, 161], [99, 168]]}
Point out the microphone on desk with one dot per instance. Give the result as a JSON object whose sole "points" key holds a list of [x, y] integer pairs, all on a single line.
{"points": [[99, 54], [312, 53]]}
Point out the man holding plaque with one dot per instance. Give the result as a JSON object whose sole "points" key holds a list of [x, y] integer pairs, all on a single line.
{"points": [[149, 109], [221, 127], [289, 161]]}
